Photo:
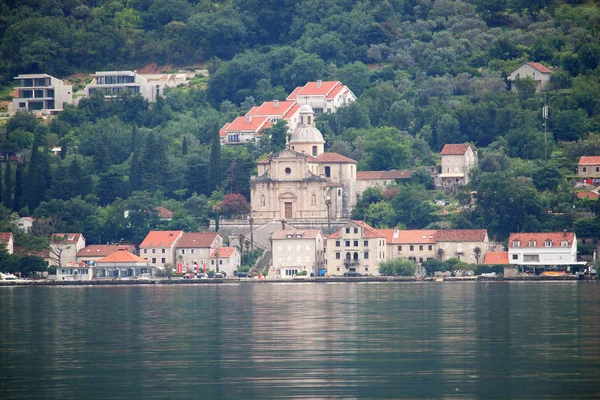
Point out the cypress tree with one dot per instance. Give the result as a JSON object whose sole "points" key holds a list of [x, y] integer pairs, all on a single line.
{"points": [[1, 184], [135, 173], [63, 149], [214, 173], [18, 198], [184, 146], [9, 185]]}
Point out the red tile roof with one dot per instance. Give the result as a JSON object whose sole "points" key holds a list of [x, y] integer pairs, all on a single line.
{"points": [[303, 233], [247, 124], [263, 161], [335, 91], [103, 250], [496, 258], [318, 88], [589, 160], [396, 236], [224, 252], [461, 235], [58, 238], [196, 239], [369, 231], [5, 237], [223, 131], [332, 158], [393, 174], [540, 67], [164, 213], [540, 239], [161, 238], [293, 110], [272, 109], [122, 256], [455, 149], [292, 95], [587, 195]]}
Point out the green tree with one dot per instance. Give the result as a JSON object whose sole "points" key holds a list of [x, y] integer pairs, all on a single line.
{"points": [[397, 266], [214, 177], [8, 181], [413, 207], [18, 195]]}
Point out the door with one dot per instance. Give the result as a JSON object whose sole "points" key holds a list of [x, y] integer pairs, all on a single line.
{"points": [[288, 210]]}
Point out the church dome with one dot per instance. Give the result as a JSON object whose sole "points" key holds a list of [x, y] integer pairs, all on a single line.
{"points": [[306, 132]]}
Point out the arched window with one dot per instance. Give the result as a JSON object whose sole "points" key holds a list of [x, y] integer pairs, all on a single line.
{"points": [[347, 255], [314, 199], [328, 171], [308, 120], [355, 255], [301, 120], [314, 150], [340, 192], [262, 200]]}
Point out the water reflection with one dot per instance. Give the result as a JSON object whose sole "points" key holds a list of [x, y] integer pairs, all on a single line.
{"points": [[258, 341]]}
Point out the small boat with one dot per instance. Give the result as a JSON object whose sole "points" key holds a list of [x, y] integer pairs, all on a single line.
{"points": [[8, 277]]}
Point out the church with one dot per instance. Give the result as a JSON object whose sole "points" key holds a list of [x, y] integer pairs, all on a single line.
{"points": [[303, 182]]}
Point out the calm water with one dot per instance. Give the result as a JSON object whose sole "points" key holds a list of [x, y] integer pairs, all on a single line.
{"points": [[263, 341]]}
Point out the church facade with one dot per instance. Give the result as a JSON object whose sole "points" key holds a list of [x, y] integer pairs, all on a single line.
{"points": [[302, 182]]}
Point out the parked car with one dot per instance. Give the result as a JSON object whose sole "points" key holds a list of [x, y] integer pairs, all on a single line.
{"points": [[241, 275], [189, 276], [202, 276], [219, 275]]}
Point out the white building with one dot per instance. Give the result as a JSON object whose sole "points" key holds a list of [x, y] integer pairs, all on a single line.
{"points": [[41, 94], [245, 129], [457, 162], [534, 70], [225, 260], [543, 249], [195, 248], [295, 251], [276, 110], [64, 248], [323, 96], [74, 271]]}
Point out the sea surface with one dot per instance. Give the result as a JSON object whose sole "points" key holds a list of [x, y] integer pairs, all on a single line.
{"points": [[302, 341]]}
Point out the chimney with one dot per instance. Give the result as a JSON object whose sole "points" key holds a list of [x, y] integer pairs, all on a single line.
{"points": [[319, 83], [248, 118], [275, 103]]}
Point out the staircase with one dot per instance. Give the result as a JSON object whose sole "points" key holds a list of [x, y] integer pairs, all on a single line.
{"points": [[263, 264]]}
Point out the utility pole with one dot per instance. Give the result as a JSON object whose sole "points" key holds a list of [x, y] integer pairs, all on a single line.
{"points": [[545, 118]]}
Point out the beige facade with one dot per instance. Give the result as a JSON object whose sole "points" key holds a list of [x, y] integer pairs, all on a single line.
{"points": [[295, 251], [536, 71], [225, 260], [589, 167], [380, 179], [158, 248], [457, 162], [356, 247], [194, 249], [461, 244], [64, 248], [416, 245]]}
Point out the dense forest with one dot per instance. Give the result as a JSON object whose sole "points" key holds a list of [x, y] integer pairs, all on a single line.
{"points": [[426, 73]]}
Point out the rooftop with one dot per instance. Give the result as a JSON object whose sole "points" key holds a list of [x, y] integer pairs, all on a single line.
{"points": [[396, 236], [161, 238], [461, 235], [455, 149], [539, 239], [496, 258], [296, 234], [332, 158], [121, 256], [393, 174], [540, 67], [196, 239], [589, 160], [223, 252], [5, 237], [65, 238], [103, 250]]}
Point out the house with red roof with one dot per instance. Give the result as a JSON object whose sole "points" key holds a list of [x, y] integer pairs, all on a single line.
{"points": [[74, 271], [193, 249], [24, 224], [64, 248], [381, 179], [534, 70], [542, 248], [278, 110], [496, 258], [121, 264], [356, 247], [225, 260], [323, 96], [457, 162], [462, 244], [92, 253], [416, 245], [158, 248], [244, 129], [8, 239], [589, 167], [297, 250]]}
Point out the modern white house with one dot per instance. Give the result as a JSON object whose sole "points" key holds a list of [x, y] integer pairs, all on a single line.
{"points": [[244, 129], [323, 96], [276, 110], [542, 249], [41, 94], [74, 271], [296, 251]]}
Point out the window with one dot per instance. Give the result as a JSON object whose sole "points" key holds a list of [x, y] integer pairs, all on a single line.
{"points": [[548, 243], [564, 243], [355, 230], [597, 169], [288, 171], [355, 256], [162, 260], [516, 243], [153, 260], [21, 105], [314, 199], [532, 243], [347, 230], [212, 262], [347, 243], [356, 243], [420, 259], [220, 262], [430, 247], [337, 243], [328, 171], [399, 248], [420, 247], [153, 251], [366, 243], [182, 251], [584, 169], [291, 272], [192, 251], [145, 251], [531, 258], [347, 255], [515, 256], [164, 251], [314, 149], [366, 255], [412, 248], [338, 255]]}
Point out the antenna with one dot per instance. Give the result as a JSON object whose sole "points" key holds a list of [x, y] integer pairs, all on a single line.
{"points": [[545, 118]]}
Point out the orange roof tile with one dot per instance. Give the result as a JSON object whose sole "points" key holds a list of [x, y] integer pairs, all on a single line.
{"points": [[369, 231], [294, 93], [121, 256], [461, 235], [272, 108], [196, 239], [302, 233], [393, 174], [318, 88], [397, 236], [587, 195], [103, 250], [292, 111], [161, 238], [247, 124], [589, 160], [224, 252], [455, 149], [5, 237], [540, 239], [496, 258], [540, 67], [223, 131], [164, 213], [332, 158], [335, 91]]}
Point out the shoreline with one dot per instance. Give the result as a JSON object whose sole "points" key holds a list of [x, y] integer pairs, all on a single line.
{"points": [[378, 279]]}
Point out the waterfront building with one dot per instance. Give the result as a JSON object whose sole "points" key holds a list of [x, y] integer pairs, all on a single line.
{"points": [[542, 249], [195, 248], [64, 248], [41, 94], [74, 271], [323, 96], [462, 244], [297, 250], [158, 248], [225, 260], [414, 245], [496, 258], [122, 264], [92, 253], [8, 239], [356, 247], [457, 162]]}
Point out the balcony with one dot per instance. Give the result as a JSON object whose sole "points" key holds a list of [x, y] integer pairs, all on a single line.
{"points": [[351, 263]]}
